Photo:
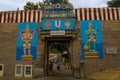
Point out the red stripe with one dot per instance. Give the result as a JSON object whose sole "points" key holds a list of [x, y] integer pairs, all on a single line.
{"points": [[104, 18], [38, 16], [8, 17], [113, 14], [16, 21], [21, 16], [95, 15], [25, 16], [117, 12], [0, 17], [81, 18], [108, 10], [29, 16], [12, 17], [76, 17], [90, 15], [4, 17], [34, 15], [99, 14], [85, 13]]}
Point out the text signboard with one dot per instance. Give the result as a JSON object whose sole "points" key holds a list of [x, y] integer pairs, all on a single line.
{"points": [[57, 32], [111, 50]]}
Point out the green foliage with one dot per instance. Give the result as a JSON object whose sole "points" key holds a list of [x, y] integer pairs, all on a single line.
{"points": [[113, 3], [40, 5], [54, 50], [29, 6], [55, 47], [33, 6]]}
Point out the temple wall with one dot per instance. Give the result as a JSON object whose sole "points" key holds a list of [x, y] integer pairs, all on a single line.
{"points": [[111, 38], [8, 40]]}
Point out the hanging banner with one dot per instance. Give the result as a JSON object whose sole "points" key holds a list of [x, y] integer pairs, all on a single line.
{"points": [[26, 41]]}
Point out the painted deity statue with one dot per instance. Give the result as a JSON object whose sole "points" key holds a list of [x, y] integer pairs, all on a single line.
{"points": [[26, 37], [91, 38]]}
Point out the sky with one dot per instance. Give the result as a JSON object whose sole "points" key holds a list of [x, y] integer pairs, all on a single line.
{"points": [[12, 5]]}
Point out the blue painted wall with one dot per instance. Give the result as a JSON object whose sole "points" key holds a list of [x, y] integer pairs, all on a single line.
{"points": [[19, 50], [97, 26]]}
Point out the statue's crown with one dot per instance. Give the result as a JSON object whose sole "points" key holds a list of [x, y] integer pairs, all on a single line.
{"points": [[27, 28]]}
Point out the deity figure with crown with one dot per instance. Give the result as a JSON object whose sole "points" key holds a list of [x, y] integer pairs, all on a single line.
{"points": [[26, 37], [90, 46]]}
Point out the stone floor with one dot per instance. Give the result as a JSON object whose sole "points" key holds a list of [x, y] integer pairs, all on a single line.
{"points": [[59, 75], [109, 74]]}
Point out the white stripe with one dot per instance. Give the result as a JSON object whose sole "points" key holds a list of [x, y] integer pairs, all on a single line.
{"points": [[74, 11], [31, 16], [36, 17], [101, 12], [40, 15], [23, 16], [106, 14], [18, 16], [83, 15], [6, 19], [27, 16], [2, 17], [119, 13], [92, 13], [88, 14], [115, 13], [14, 17], [78, 14], [111, 18], [97, 15], [10, 17]]}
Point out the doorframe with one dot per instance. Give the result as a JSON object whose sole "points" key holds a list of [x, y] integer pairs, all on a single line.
{"points": [[46, 49]]}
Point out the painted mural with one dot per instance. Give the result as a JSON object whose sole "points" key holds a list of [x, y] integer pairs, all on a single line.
{"points": [[58, 24], [91, 35], [26, 41]]}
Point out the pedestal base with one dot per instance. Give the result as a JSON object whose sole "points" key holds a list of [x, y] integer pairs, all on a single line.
{"points": [[91, 55], [27, 57]]}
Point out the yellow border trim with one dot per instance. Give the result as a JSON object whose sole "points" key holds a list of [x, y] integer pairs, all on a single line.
{"points": [[2, 72], [27, 75], [18, 75]]}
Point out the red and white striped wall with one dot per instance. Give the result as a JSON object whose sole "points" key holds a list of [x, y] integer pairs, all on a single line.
{"points": [[20, 16], [97, 14], [80, 13]]}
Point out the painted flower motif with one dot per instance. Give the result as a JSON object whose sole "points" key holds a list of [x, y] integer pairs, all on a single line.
{"points": [[67, 24], [47, 24]]}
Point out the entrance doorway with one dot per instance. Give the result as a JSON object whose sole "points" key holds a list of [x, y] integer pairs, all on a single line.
{"points": [[58, 55]]}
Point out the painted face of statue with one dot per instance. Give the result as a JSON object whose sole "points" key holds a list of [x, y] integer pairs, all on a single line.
{"points": [[90, 25]]}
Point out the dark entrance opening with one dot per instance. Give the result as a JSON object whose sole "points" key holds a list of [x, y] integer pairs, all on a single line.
{"points": [[58, 55]]}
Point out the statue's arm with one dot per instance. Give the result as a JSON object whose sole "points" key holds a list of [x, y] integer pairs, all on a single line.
{"points": [[21, 34], [87, 32]]}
